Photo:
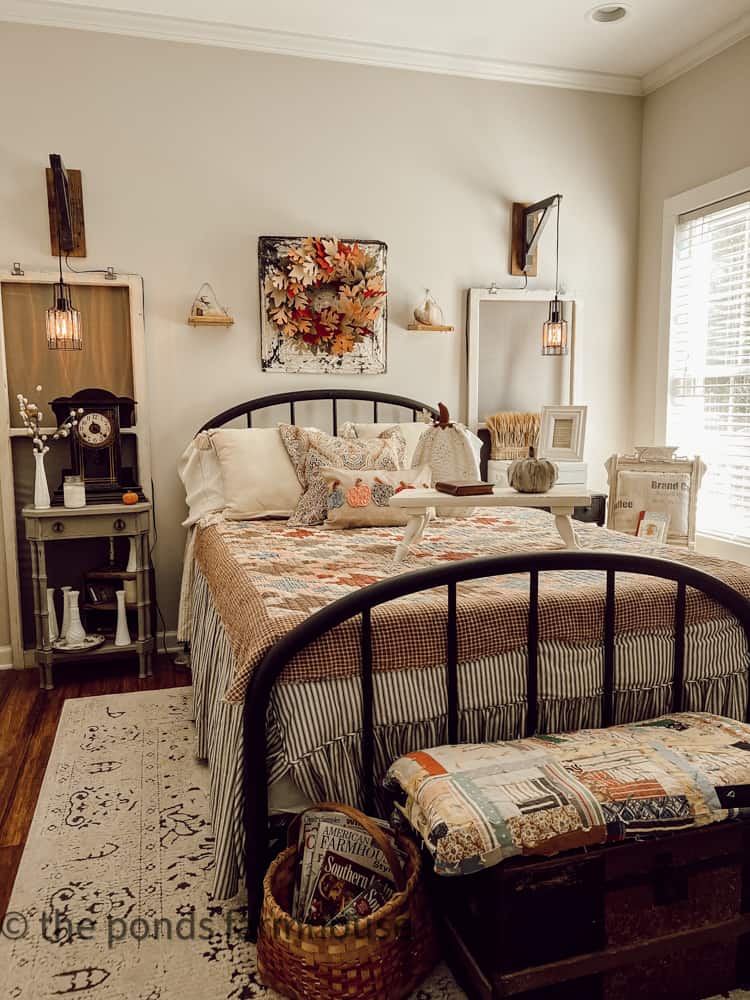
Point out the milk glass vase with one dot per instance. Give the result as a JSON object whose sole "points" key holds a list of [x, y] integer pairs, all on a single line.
{"points": [[122, 636], [66, 612], [52, 629], [41, 489], [76, 633]]}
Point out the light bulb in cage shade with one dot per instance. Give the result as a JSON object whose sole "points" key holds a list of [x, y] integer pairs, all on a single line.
{"points": [[555, 330], [64, 331]]}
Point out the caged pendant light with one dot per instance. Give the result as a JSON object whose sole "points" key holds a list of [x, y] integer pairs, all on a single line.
{"points": [[555, 329], [64, 332], [63, 321]]}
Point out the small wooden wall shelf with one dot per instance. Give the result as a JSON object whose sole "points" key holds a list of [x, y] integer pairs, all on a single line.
{"points": [[210, 320], [432, 328]]}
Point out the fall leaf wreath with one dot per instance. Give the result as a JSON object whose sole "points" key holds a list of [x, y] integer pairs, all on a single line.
{"points": [[324, 294]]}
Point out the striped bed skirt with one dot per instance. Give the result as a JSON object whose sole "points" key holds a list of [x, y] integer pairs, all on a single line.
{"points": [[314, 744]]}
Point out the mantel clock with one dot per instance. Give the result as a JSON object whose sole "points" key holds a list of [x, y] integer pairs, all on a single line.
{"points": [[95, 446]]}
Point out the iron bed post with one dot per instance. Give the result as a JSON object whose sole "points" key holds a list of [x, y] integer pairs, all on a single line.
{"points": [[532, 656], [608, 687]]}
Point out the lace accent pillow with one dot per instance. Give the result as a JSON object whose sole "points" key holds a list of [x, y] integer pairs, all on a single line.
{"points": [[412, 431], [360, 499], [311, 451]]}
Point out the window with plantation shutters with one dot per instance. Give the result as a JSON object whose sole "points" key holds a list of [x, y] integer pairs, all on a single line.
{"points": [[708, 406]]}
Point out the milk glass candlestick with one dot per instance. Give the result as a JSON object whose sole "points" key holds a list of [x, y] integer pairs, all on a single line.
{"points": [[52, 629], [66, 613], [122, 636]]}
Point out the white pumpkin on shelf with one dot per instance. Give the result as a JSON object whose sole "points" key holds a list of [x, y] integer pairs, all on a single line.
{"points": [[452, 453]]}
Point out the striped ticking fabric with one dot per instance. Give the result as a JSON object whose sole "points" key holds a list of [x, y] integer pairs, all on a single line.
{"points": [[314, 735]]}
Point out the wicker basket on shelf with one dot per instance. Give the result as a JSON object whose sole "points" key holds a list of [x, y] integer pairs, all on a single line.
{"points": [[387, 954]]}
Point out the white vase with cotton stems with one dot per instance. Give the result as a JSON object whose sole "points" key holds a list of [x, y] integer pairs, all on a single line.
{"points": [[31, 417]]}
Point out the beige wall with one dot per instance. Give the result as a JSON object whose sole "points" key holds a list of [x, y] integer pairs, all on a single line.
{"points": [[190, 153], [695, 130]]}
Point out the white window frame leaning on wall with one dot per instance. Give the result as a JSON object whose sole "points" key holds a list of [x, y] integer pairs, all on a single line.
{"points": [[690, 201]]}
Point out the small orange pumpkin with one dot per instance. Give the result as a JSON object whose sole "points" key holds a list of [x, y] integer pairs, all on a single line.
{"points": [[129, 498], [358, 495]]}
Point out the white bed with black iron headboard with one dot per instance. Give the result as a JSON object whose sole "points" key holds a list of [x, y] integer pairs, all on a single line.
{"points": [[257, 584]]}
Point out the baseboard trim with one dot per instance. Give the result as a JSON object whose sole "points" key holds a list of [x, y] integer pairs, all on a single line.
{"points": [[6, 658]]}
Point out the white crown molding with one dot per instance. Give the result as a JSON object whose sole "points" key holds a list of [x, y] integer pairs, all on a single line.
{"points": [[84, 17], [700, 53], [49, 13]]}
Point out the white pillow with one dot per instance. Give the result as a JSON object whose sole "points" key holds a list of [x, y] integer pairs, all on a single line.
{"points": [[200, 473], [412, 433], [667, 492], [258, 478]]}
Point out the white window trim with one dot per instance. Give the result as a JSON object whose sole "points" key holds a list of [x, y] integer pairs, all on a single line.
{"points": [[689, 201]]}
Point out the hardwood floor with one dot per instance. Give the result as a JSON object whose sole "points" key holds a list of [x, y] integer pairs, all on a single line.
{"points": [[28, 723]]}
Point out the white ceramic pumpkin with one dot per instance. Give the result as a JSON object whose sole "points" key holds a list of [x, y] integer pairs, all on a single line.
{"points": [[452, 453]]}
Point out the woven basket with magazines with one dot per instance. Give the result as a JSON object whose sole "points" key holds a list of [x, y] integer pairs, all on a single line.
{"points": [[386, 954]]}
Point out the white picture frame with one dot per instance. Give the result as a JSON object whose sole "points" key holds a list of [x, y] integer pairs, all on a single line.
{"points": [[562, 433]]}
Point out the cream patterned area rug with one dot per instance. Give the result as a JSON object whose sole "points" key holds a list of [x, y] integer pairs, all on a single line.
{"points": [[111, 899]]}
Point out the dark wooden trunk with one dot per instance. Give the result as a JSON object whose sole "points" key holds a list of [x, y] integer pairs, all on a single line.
{"points": [[662, 918]]}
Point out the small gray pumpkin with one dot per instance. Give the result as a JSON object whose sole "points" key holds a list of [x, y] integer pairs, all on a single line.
{"points": [[532, 475]]}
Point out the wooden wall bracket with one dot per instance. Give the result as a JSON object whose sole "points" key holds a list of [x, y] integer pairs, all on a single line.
{"points": [[528, 222], [75, 191], [517, 242]]}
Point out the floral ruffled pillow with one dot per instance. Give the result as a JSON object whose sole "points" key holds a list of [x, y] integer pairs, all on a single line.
{"points": [[311, 451], [361, 499]]}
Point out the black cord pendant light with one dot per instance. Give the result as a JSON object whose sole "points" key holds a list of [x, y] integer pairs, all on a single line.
{"points": [[64, 332], [555, 329], [63, 320]]}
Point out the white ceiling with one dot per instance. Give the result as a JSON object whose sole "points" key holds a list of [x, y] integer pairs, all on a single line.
{"points": [[539, 41]]}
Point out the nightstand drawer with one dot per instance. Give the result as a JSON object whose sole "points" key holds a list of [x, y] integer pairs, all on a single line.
{"points": [[595, 513], [59, 524]]}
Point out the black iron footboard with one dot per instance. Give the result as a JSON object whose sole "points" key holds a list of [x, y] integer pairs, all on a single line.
{"points": [[361, 604]]}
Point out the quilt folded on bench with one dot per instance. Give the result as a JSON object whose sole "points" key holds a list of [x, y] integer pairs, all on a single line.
{"points": [[478, 804]]}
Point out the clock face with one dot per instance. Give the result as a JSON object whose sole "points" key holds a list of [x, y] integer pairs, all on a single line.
{"points": [[95, 430]]}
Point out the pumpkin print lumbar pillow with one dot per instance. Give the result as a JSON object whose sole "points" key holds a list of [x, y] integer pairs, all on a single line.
{"points": [[310, 451], [359, 499]]}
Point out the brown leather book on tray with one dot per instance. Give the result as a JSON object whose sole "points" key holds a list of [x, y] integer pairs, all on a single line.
{"points": [[465, 488]]}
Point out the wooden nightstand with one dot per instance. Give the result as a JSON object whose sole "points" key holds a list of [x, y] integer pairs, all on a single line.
{"points": [[104, 520]]}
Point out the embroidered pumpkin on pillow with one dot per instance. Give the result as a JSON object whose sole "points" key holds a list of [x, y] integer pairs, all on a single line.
{"points": [[336, 496], [382, 493], [358, 495]]}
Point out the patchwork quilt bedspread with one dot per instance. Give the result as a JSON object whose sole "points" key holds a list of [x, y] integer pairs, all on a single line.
{"points": [[266, 577], [476, 805]]}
